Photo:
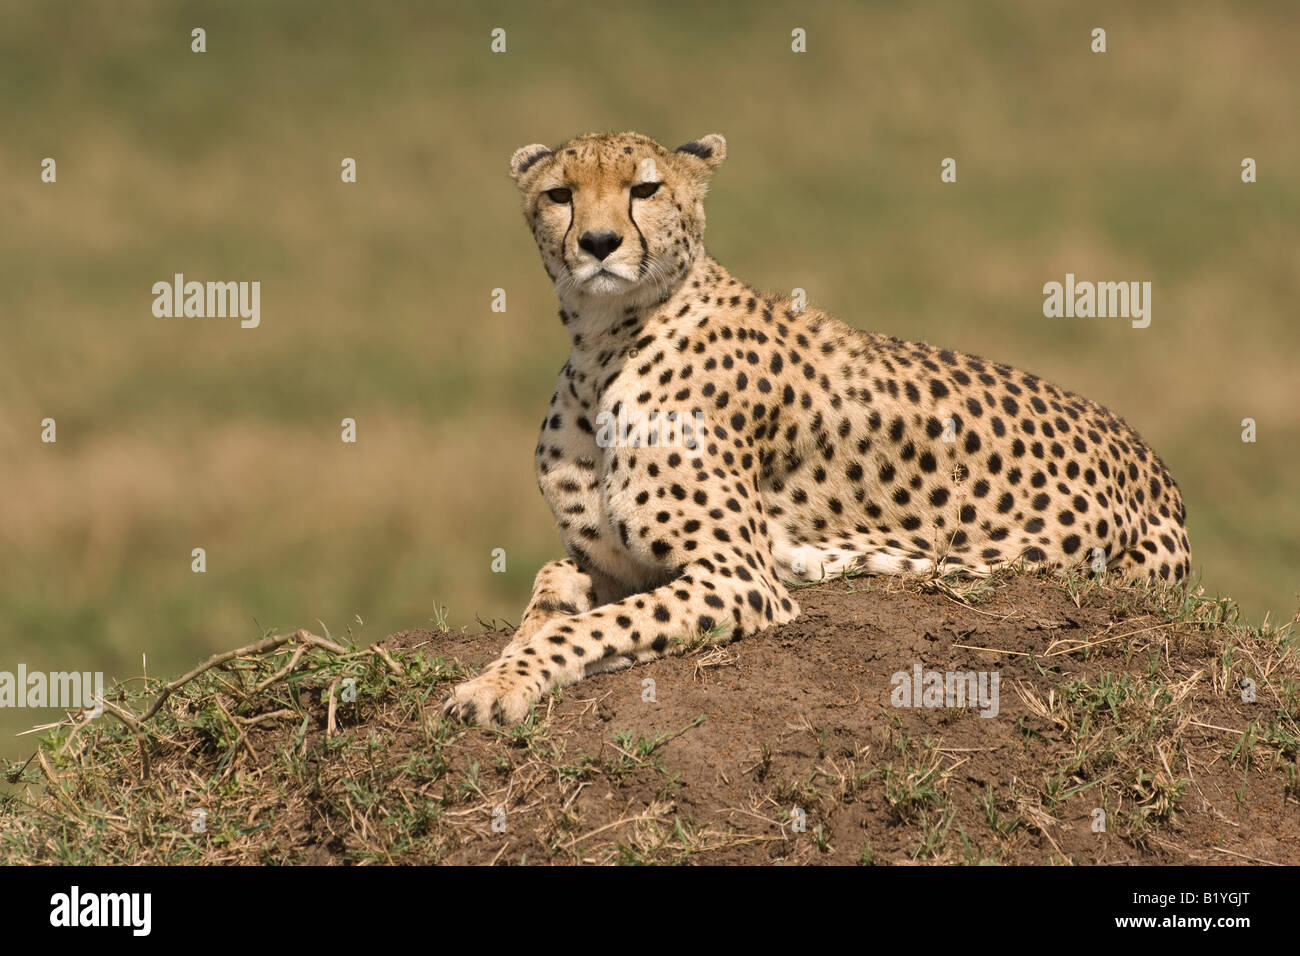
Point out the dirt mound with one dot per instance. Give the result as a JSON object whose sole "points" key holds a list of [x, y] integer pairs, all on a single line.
{"points": [[1099, 723]]}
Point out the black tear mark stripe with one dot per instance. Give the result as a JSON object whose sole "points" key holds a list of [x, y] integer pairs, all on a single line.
{"points": [[564, 243], [645, 246]]}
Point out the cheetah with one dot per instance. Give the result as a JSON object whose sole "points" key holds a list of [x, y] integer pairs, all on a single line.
{"points": [[803, 447]]}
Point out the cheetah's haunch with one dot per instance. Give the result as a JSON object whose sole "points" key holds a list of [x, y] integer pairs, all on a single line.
{"points": [[798, 446]]}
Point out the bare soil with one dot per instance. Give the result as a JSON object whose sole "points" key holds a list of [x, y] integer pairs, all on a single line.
{"points": [[800, 718]]}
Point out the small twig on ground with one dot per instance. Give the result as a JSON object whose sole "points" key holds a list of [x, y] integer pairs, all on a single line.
{"points": [[257, 647]]}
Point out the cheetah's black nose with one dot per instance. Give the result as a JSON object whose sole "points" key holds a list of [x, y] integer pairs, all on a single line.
{"points": [[600, 244]]}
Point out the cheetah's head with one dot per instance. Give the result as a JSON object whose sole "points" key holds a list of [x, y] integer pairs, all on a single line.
{"points": [[615, 215]]}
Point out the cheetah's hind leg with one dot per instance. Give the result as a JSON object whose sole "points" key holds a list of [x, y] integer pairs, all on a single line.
{"points": [[819, 562]]}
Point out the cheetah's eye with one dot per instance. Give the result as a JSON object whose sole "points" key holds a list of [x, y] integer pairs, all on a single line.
{"points": [[560, 195], [645, 190]]}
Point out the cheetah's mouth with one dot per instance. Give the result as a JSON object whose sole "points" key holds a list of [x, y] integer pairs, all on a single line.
{"points": [[606, 280]]}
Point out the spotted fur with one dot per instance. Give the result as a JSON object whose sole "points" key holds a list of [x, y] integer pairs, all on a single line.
{"points": [[823, 448]]}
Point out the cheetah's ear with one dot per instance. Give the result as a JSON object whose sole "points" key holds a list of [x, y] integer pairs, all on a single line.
{"points": [[525, 158], [711, 150]]}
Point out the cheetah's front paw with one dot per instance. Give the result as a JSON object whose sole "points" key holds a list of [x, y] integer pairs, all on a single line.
{"points": [[496, 695]]}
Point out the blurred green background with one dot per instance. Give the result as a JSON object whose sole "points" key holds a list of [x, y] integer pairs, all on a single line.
{"points": [[183, 433]]}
